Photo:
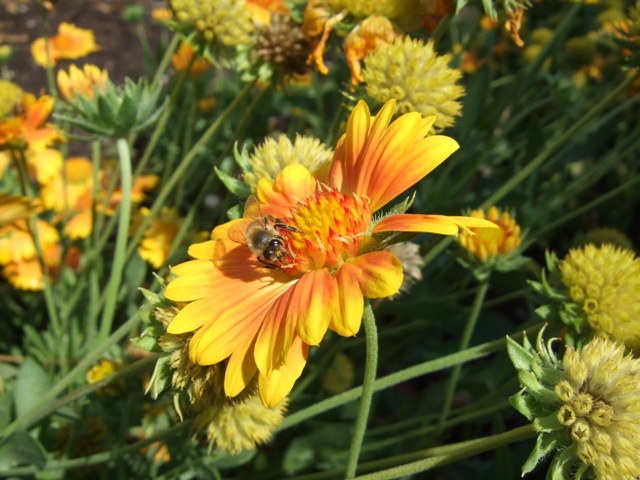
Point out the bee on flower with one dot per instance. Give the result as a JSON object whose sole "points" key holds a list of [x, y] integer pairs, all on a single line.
{"points": [[262, 318]]}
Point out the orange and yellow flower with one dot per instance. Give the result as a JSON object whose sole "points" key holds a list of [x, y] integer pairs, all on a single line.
{"points": [[263, 320], [82, 82], [183, 56], [28, 129], [69, 43]]}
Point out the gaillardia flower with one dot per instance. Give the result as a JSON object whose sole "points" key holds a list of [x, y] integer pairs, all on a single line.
{"points": [[260, 305], [69, 43], [412, 72], [491, 246], [586, 408], [604, 284], [82, 82]]}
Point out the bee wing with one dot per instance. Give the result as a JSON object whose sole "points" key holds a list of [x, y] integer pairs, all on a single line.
{"points": [[252, 208], [237, 231]]}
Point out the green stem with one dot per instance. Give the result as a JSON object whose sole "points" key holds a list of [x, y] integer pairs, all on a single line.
{"points": [[370, 367], [556, 145], [164, 63], [446, 454], [464, 344], [158, 131], [184, 165], [20, 163], [540, 159], [119, 257], [26, 420], [401, 376], [98, 458]]}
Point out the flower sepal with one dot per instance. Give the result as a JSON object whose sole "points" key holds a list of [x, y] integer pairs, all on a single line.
{"points": [[545, 445], [118, 111]]}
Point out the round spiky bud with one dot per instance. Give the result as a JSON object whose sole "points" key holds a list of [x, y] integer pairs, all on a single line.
{"points": [[282, 44]]}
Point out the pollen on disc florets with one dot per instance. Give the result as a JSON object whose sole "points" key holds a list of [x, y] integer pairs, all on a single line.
{"points": [[330, 227]]}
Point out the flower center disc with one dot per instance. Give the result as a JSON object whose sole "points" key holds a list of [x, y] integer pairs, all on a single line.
{"points": [[329, 228]]}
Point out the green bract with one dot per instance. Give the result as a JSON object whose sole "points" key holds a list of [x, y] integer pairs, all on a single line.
{"points": [[118, 111]]}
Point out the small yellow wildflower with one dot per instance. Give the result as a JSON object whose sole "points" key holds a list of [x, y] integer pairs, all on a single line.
{"points": [[226, 22], [15, 207], [82, 82], [10, 97], [605, 284], [421, 80], [159, 235], [103, 369], [486, 244], [69, 43]]}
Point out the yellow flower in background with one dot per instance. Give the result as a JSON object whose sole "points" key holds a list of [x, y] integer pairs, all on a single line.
{"points": [[159, 235], [18, 254], [28, 128], [417, 77], [183, 56], [15, 207], [71, 182], [272, 156], [225, 22], [365, 38], [600, 407], [604, 282], [103, 369], [261, 10], [261, 321], [69, 43], [321, 17], [10, 97], [487, 244], [82, 82], [161, 15], [16, 242]]}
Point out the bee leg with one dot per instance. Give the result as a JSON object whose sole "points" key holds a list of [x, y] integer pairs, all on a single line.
{"points": [[285, 227], [266, 263]]}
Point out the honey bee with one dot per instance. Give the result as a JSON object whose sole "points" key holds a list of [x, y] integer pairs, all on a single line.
{"points": [[260, 233]]}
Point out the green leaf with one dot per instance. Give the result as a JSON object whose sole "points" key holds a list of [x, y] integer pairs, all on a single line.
{"points": [[519, 356], [226, 460], [545, 444], [161, 377], [146, 342], [537, 389], [21, 449], [154, 298], [31, 385], [299, 455], [126, 114], [562, 465], [234, 185], [522, 402]]}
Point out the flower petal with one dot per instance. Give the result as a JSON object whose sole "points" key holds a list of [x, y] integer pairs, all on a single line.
{"points": [[348, 317], [293, 184], [240, 370], [440, 224], [275, 386], [380, 273], [201, 251], [312, 305], [276, 335], [395, 172]]}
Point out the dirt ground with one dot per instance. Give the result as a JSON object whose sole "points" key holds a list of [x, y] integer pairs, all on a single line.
{"points": [[120, 51]]}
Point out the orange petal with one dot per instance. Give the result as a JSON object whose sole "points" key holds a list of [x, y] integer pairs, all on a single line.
{"points": [[275, 386], [399, 169], [313, 303], [440, 224], [240, 370], [225, 333], [380, 273], [276, 334], [348, 316], [293, 184]]}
